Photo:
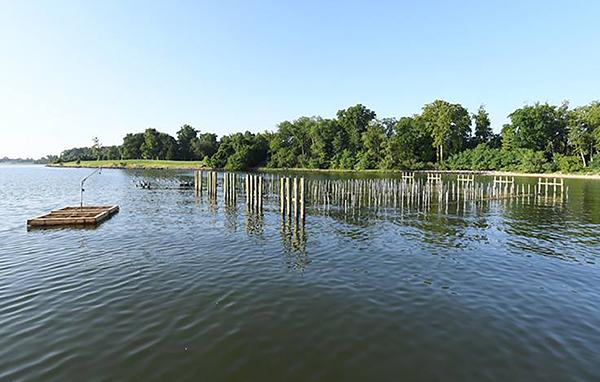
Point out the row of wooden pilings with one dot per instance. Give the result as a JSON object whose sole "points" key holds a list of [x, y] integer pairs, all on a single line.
{"points": [[354, 194], [229, 187], [254, 192], [291, 197], [211, 182]]}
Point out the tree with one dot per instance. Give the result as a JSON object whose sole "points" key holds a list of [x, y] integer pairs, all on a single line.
{"points": [[541, 127], [410, 143], [132, 146], [321, 135], [580, 136], [584, 128], [185, 138], [373, 144], [508, 137], [150, 147], [77, 153], [96, 148], [168, 147], [205, 145], [241, 151], [450, 126], [290, 146], [354, 121], [483, 131], [110, 153]]}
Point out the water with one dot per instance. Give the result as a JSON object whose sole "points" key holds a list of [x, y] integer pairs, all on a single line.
{"points": [[172, 288]]}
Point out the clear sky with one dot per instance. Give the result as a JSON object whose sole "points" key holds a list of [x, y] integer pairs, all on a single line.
{"points": [[70, 71]]}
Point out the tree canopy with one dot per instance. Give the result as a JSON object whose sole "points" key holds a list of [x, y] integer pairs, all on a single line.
{"points": [[539, 137]]}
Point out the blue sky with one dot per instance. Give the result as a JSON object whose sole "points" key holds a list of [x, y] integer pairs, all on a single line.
{"points": [[70, 71]]}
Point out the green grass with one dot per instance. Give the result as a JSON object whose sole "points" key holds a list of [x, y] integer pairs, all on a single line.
{"points": [[134, 163], [184, 165]]}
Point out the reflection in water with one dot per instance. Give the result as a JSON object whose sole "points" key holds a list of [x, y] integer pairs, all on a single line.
{"points": [[293, 237], [231, 216], [254, 223], [501, 289]]}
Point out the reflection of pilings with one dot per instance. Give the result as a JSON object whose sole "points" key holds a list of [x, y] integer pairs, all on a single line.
{"points": [[294, 239], [254, 223], [291, 197]]}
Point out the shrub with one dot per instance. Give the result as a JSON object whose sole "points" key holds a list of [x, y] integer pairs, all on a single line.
{"points": [[483, 157], [594, 165], [568, 163], [531, 161]]}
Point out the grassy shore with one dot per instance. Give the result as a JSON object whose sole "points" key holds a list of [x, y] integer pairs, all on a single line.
{"points": [[190, 165], [135, 164]]}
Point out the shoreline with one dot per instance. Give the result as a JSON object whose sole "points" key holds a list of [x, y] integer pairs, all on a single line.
{"points": [[180, 165]]}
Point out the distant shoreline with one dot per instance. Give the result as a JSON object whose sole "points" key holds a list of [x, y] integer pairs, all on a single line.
{"points": [[191, 165]]}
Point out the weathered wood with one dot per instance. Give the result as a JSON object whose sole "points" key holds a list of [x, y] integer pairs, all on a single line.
{"points": [[302, 198], [70, 216]]}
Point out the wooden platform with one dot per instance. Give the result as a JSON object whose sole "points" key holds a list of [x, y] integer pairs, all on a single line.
{"points": [[74, 216]]}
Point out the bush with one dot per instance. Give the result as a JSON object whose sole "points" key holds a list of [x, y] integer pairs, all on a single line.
{"points": [[482, 157], [531, 161], [568, 163], [594, 165], [485, 158]]}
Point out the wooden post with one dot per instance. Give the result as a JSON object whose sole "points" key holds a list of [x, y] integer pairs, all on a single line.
{"points": [[260, 193], [287, 196], [302, 198], [208, 184], [247, 183], [200, 181], [282, 194], [295, 197]]}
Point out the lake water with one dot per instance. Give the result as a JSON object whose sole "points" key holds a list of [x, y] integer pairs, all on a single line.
{"points": [[176, 288]]}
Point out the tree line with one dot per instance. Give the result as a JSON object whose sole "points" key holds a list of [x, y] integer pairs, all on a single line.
{"points": [[539, 137]]}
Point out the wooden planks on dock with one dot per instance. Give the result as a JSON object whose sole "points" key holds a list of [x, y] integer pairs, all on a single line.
{"points": [[73, 216]]}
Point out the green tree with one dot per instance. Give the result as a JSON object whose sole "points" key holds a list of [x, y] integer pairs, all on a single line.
{"points": [[584, 128], [205, 145], [241, 151], [373, 146], [185, 138], [354, 121], [96, 148], [508, 137], [410, 144], [290, 147], [151, 146], [541, 127], [132, 146], [483, 132], [168, 147], [322, 134], [110, 153], [450, 126]]}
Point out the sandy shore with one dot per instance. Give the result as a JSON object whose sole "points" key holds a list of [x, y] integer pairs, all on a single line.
{"points": [[194, 166]]}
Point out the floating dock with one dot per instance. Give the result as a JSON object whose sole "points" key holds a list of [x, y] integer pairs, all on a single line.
{"points": [[74, 216]]}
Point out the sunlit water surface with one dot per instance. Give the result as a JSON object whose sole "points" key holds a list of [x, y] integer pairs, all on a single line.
{"points": [[175, 288]]}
